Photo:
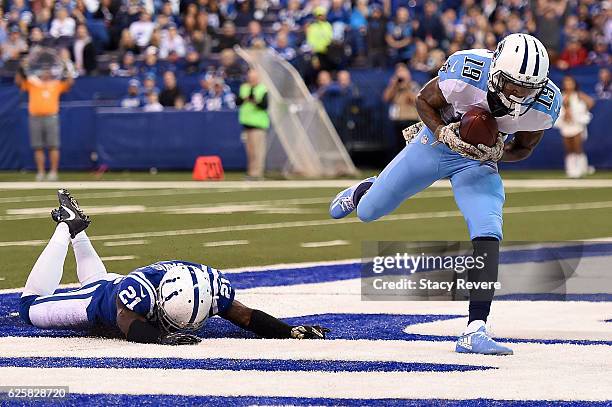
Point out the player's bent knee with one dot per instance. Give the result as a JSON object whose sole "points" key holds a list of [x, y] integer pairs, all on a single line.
{"points": [[24, 307], [367, 213]]}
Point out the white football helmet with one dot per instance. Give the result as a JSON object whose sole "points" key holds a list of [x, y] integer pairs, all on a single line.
{"points": [[184, 297], [521, 61]]}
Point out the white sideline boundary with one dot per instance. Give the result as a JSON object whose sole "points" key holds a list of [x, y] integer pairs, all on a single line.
{"points": [[253, 185]]}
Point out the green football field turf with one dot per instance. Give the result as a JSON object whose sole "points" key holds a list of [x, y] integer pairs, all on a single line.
{"points": [[229, 228]]}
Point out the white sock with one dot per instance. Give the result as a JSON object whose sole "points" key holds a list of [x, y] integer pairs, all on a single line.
{"points": [[48, 269], [89, 266], [572, 168], [583, 164]]}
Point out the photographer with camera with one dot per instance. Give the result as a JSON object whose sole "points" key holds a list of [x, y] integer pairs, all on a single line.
{"points": [[45, 83], [401, 95]]}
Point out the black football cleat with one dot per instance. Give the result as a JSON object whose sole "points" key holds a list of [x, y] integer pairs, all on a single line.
{"points": [[70, 213]]}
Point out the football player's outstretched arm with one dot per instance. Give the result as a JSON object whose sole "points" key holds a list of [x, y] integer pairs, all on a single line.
{"points": [[521, 146], [135, 327], [267, 326], [429, 102]]}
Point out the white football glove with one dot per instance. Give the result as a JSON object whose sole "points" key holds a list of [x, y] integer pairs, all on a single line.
{"points": [[411, 132], [449, 135]]}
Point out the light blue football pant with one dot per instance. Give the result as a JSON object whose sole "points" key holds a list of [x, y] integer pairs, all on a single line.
{"points": [[478, 188]]}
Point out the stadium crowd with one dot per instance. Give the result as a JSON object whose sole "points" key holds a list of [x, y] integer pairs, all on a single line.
{"points": [[156, 41]]}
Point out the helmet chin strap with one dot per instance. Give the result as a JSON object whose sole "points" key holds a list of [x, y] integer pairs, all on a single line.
{"points": [[517, 111]]}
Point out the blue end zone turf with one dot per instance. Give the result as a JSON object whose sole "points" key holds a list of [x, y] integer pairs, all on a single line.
{"points": [[268, 365]]}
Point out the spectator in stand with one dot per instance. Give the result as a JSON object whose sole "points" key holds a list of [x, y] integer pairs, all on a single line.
{"points": [[603, 88], [127, 43], [399, 37], [573, 55], [220, 97], [62, 25], [293, 15], [419, 61], [376, 38], [126, 68], [600, 55], [253, 116], [170, 92], [14, 46], [172, 42], [401, 95], [142, 29], [430, 26], [572, 123], [324, 82], [319, 35], [254, 34], [231, 68], [132, 99], [227, 39], [550, 18], [37, 38], [152, 103], [148, 86], [281, 45], [150, 64], [244, 14], [346, 85], [43, 107], [84, 52], [168, 13], [358, 31], [339, 18], [198, 98]]}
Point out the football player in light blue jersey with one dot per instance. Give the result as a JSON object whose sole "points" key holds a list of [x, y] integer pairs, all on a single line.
{"points": [[512, 83], [165, 302]]}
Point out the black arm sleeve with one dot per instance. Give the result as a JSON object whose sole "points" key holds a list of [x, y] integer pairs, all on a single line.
{"points": [[267, 326], [143, 332], [263, 103]]}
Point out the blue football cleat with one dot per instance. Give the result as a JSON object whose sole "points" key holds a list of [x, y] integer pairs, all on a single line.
{"points": [[475, 339], [344, 203]]}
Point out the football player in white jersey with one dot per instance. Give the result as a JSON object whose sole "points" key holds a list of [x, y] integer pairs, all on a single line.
{"points": [[512, 83]]}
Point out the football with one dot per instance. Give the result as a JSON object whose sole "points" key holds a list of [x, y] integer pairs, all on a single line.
{"points": [[478, 126]]}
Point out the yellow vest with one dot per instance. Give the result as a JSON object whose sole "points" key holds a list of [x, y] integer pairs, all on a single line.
{"points": [[249, 113]]}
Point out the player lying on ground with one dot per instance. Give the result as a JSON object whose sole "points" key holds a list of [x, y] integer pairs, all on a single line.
{"points": [[512, 83], [159, 303]]}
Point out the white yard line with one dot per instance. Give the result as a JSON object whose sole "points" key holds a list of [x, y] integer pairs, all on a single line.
{"points": [[226, 243], [118, 258], [265, 206], [106, 195], [250, 185], [325, 222], [324, 244], [126, 243]]}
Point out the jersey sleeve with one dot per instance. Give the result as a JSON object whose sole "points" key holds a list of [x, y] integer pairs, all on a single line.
{"points": [[137, 294], [463, 78], [222, 291], [547, 106]]}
